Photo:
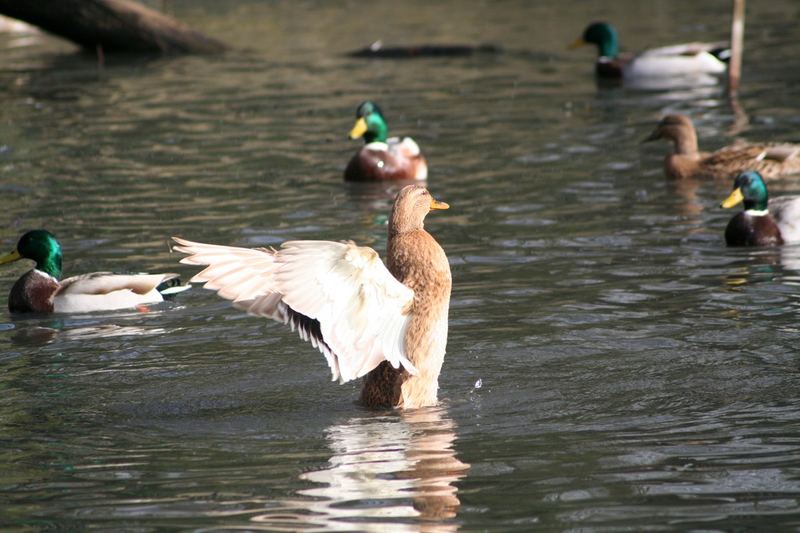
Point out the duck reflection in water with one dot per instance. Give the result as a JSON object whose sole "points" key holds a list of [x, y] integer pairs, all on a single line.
{"points": [[391, 472], [770, 264]]}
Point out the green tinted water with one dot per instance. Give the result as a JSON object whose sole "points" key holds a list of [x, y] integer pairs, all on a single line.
{"points": [[634, 373]]}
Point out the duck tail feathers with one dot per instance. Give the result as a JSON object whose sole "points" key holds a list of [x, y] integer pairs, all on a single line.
{"points": [[723, 53], [171, 285]]}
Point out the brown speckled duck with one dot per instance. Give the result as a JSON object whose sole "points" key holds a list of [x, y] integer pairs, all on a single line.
{"points": [[387, 324], [380, 158], [770, 160], [40, 291]]}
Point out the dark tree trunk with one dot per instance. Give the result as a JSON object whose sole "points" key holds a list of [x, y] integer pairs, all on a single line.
{"points": [[111, 26]]}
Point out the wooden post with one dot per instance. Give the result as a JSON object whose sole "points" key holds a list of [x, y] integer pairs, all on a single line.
{"points": [[737, 45], [111, 26]]}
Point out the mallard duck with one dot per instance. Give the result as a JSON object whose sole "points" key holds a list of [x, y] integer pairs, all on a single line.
{"points": [[39, 290], [689, 59], [381, 158], [771, 160], [763, 222], [388, 324]]}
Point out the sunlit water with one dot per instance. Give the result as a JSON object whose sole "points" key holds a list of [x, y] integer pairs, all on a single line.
{"points": [[611, 365]]}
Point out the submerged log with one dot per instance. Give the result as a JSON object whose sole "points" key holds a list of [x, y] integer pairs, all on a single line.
{"points": [[378, 50], [111, 26]]}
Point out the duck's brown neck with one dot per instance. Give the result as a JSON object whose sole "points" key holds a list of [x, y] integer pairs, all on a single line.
{"points": [[684, 141], [400, 222]]}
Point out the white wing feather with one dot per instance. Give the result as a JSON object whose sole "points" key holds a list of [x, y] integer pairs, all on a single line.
{"points": [[361, 308]]}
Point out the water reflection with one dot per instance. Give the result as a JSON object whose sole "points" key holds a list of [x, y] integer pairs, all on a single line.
{"points": [[36, 332], [393, 472]]}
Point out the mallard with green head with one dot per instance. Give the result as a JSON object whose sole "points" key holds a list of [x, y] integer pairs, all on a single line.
{"points": [[40, 291], [690, 59], [771, 160], [763, 222], [382, 158]]}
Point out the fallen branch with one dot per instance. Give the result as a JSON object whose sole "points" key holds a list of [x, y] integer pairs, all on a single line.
{"points": [[111, 25]]}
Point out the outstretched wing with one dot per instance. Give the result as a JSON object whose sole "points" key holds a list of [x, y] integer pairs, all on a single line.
{"points": [[339, 296]]}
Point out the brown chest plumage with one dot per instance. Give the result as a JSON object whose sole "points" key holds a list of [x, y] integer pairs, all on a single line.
{"points": [[748, 230], [33, 293], [380, 165], [609, 69], [417, 260]]}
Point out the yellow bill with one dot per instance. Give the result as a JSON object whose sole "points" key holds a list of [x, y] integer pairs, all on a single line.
{"points": [[736, 197], [436, 204], [359, 129], [10, 256], [577, 43]]}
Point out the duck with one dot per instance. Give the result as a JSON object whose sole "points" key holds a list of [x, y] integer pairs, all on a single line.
{"points": [[382, 158], [764, 221], [688, 59], [771, 160], [40, 290], [385, 323]]}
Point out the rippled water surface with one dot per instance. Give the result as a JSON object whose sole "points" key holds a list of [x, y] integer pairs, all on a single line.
{"points": [[611, 365]]}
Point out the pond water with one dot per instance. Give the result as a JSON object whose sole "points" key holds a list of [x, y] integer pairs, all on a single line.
{"points": [[611, 365]]}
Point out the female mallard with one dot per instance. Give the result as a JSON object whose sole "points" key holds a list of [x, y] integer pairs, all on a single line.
{"points": [[771, 160], [690, 59], [388, 325], [763, 222], [40, 291], [381, 158]]}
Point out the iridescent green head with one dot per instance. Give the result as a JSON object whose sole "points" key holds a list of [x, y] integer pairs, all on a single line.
{"points": [[41, 246], [749, 188], [370, 123], [603, 35]]}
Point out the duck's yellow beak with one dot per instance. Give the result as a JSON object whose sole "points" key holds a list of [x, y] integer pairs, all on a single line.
{"points": [[359, 129], [436, 204], [10, 257], [577, 43], [735, 198]]}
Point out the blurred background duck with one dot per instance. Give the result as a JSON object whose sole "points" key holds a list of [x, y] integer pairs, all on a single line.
{"points": [[39, 290], [764, 221], [382, 158], [689, 59], [771, 160]]}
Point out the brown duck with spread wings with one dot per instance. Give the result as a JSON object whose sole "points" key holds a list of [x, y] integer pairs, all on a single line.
{"points": [[385, 323]]}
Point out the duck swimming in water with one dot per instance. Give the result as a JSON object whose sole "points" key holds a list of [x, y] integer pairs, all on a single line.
{"points": [[689, 59], [771, 160], [387, 324], [764, 221], [382, 158], [39, 290]]}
